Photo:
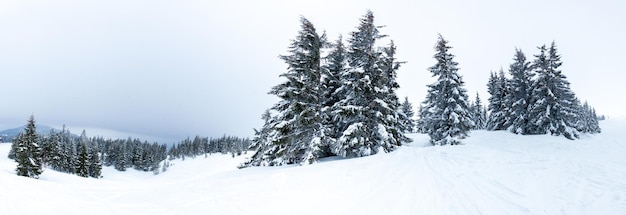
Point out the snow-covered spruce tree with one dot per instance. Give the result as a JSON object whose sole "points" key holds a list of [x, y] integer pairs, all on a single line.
{"points": [[334, 68], [553, 107], [52, 150], [518, 96], [446, 113], [386, 86], [420, 125], [95, 164], [69, 154], [368, 112], [261, 143], [594, 125], [406, 116], [28, 153], [498, 105], [82, 165], [331, 74], [298, 133], [588, 120], [479, 114]]}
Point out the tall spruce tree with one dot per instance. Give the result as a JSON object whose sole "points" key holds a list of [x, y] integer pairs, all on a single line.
{"points": [[446, 112], [95, 163], [420, 124], [386, 87], [367, 114], [28, 152], [554, 106], [261, 143], [498, 105], [82, 165], [518, 96], [407, 122], [588, 120], [298, 129], [335, 67], [331, 74], [479, 114]]}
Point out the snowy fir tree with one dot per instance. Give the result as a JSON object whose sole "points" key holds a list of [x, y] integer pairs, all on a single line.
{"points": [[588, 120], [368, 111], [498, 105], [82, 166], [52, 156], [261, 143], [386, 88], [95, 164], [406, 116], [28, 153], [446, 113], [479, 114], [298, 133], [518, 95], [553, 107], [335, 67], [420, 125]]}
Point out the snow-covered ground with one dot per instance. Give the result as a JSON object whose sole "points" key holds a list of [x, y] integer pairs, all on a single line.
{"points": [[493, 173]]}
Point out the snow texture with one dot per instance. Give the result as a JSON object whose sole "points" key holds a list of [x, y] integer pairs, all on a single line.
{"points": [[492, 173]]}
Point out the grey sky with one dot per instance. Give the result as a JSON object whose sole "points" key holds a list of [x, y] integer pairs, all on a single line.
{"points": [[171, 69]]}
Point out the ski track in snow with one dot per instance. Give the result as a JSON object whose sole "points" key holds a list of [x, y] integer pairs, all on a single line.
{"points": [[491, 173]]}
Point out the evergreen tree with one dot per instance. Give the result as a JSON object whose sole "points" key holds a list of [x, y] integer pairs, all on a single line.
{"points": [[335, 67], [554, 106], [498, 105], [331, 78], [594, 125], [446, 113], [407, 122], [367, 114], [420, 122], [386, 86], [69, 155], [298, 130], [479, 114], [518, 96], [53, 149], [14, 147], [261, 143], [82, 164], [28, 152], [95, 164]]}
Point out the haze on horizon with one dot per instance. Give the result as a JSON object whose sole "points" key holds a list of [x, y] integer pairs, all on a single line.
{"points": [[167, 70]]}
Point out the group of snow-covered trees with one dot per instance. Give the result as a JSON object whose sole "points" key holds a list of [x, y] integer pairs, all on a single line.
{"points": [[59, 151], [131, 153], [345, 103], [342, 104], [537, 99], [203, 146], [84, 156]]}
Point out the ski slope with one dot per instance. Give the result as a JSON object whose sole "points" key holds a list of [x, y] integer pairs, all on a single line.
{"points": [[493, 173]]}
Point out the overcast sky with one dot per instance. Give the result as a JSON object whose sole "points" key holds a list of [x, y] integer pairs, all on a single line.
{"points": [[172, 69]]}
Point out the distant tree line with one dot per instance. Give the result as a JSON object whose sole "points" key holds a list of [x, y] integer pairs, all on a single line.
{"points": [[204, 146], [84, 156]]}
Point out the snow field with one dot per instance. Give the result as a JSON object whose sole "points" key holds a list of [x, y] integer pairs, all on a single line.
{"points": [[492, 173]]}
